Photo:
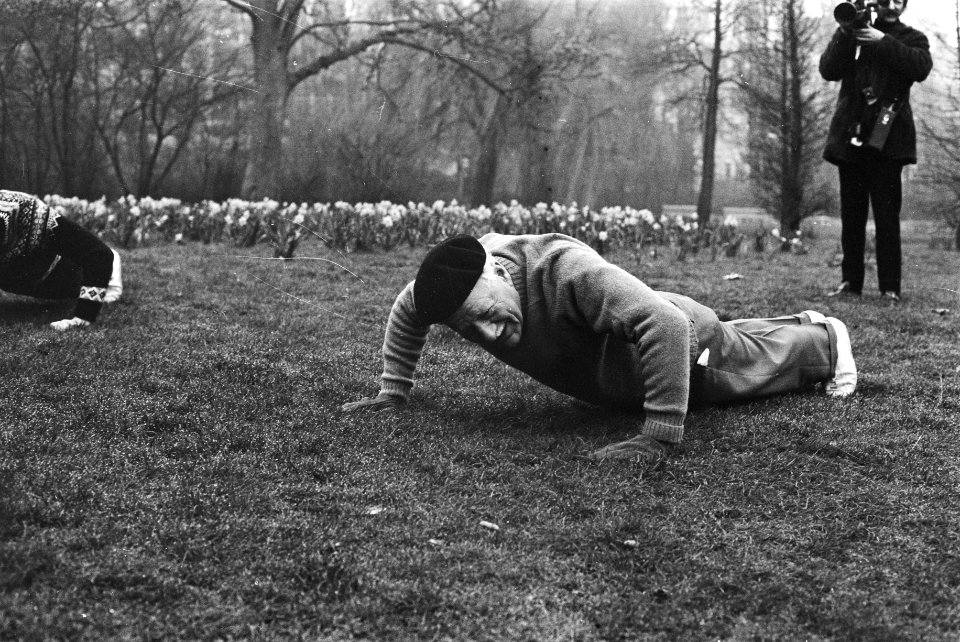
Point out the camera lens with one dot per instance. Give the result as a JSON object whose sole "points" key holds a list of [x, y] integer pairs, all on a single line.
{"points": [[845, 12]]}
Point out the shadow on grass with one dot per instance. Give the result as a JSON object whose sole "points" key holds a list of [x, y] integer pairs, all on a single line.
{"points": [[19, 311]]}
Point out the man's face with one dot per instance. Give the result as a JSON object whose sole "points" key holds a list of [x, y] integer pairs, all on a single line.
{"points": [[890, 11], [491, 315]]}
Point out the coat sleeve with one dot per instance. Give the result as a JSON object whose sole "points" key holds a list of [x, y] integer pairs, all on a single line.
{"points": [[402, 344], [909, 58], [95, 259], [611, 301], [838, 59]]}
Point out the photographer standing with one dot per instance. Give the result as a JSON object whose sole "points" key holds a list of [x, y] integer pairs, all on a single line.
{"points": [[872, 134]]}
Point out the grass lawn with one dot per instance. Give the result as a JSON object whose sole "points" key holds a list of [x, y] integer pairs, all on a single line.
{"points": [[182, 470]]}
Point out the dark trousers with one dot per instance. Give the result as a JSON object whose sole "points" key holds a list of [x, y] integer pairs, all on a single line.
{"points": [[44, 275], [872, 182], [71, 257]]}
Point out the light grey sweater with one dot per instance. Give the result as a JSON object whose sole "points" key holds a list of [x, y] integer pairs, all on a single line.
{"points": [[590, 330]]}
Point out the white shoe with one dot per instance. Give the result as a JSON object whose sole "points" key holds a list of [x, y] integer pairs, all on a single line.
{"points": [[844, 380], [115, 287]]}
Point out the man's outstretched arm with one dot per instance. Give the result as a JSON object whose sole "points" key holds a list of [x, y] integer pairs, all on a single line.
{"points": [[403, 342]]}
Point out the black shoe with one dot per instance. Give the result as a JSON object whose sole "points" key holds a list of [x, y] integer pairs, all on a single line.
{"points": [[890, 296], [845, 289]]}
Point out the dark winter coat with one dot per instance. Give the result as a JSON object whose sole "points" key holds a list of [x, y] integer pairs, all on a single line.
{"points": [[891, 66]]}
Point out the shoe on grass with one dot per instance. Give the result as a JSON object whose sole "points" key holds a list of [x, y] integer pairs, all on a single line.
{"points": [[844, 380], [843, 289], [890, 296]]}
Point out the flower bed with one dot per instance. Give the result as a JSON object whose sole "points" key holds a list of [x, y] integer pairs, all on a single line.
{"points": [[130, 222]]}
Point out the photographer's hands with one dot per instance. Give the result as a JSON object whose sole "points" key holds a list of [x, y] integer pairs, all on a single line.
{"points": [[867, 35]]}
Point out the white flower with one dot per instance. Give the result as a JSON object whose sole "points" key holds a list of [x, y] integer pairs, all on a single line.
{"points": [[386, 221], [602, 236]]}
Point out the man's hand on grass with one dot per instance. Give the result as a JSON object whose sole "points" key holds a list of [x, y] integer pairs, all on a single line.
{"points": [[381, 402], [642, 448]]}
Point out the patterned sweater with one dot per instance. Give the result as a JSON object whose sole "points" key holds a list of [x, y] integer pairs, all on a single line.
{"points": [[590, 330], [34, 238]]}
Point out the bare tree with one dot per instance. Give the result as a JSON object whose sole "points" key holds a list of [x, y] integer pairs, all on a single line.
{"points": [[154, 68], [46, 84], [277, 26], [786, 109], [940, 122], [683, 54]]}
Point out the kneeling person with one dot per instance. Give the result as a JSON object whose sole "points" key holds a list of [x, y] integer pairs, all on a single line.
{"points": [[553, 308], [47, 256]]}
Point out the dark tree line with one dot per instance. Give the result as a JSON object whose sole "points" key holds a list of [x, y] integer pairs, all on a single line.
{"points": [[626, 102]]}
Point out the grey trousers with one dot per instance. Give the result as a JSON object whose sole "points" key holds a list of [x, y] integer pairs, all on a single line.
{"points": [[751, 358]]}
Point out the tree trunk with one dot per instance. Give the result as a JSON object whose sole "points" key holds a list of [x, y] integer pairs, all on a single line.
{"points": [[537, 178], [488, 158], [707, 176], [793, 195], [262, 178]]}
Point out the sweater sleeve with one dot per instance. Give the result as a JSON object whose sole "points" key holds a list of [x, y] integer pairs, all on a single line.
{"points": [[95, 259], [839, 58], [910, 58], [402, 344], [612, 301]]}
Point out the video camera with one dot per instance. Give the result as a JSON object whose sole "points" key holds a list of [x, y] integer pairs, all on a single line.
{"points": [[856, 14]]}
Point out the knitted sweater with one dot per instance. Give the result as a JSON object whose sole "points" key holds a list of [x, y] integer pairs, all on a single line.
{"points": [[590, 330], [34, 238]]}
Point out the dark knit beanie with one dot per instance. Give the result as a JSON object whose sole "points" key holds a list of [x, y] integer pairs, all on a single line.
{"points": [[446, 277]]}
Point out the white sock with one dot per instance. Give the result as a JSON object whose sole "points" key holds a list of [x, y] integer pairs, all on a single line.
{"points": [[844, 380], [115, 287]]}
